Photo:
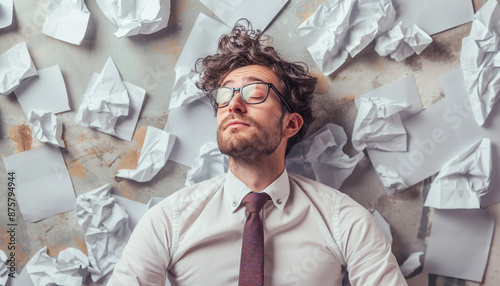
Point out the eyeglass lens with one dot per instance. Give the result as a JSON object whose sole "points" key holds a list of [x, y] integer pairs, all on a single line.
{"points": [[252, 93]]}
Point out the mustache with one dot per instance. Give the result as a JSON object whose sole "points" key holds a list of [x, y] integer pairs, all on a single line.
{"points": [[241, 118]]}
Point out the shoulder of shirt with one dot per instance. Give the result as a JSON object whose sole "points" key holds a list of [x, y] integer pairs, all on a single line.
{"points": [[314, 188], [195, 192]]}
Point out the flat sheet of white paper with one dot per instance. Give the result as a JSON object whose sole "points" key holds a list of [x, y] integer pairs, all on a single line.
{"points": [[378, 125], [209, 164], [105, 100], [4, 270], [434, 16], [6, 12], [67, 269], [230, 11], [15, 66], [411, 264], [479, 60], [66, 20], [202, 41], [438, 133], [462, 181], [401, 90], [401, 42], [192, 125], [320, 157], [47, 91], [105, 224], [136, 17], [384, 225], [125, 125], [135, 210], [339, 27], [43, 183], [454, 248], [154, 155], [46, 127]]}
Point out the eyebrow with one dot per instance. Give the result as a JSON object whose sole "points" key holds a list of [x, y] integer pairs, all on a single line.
{"points": [[246, 79]]}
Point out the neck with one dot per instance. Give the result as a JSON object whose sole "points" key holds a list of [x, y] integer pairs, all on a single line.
{"points": [[259, 173]]}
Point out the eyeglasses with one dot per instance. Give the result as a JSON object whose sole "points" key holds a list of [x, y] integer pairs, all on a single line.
{"points": [[252, 93]]}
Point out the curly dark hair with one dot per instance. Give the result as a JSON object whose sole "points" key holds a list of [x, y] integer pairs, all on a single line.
{"points": [[244, 46]]}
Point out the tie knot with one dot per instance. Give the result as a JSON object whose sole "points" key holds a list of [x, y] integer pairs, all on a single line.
{"points": [[255, 201]]}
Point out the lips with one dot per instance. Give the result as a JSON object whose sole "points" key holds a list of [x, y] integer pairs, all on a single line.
{"points": [[235, 124]]}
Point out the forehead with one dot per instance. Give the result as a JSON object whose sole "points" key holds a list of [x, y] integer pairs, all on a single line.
{"points": [[250, 74]]}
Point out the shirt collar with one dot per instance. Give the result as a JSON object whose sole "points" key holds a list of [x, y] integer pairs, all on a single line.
{"points": [[236, 190]]}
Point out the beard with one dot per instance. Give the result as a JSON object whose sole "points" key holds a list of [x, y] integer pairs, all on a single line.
{"points": [[260, 143]]}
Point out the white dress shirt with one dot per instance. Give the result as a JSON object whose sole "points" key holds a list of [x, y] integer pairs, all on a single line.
{"points": [[312, 235]]}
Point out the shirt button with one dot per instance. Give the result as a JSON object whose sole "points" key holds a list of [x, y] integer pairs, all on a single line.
{"points": [[278, 201], [235, 203]]}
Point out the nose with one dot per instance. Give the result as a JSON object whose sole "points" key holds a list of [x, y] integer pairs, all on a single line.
{"points": [[237, 104]]}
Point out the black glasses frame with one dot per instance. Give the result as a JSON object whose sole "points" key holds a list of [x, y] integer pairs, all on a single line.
{"points": [[269, 85]]}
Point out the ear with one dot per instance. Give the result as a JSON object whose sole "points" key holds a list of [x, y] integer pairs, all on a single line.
{"points": [[291, 124]]}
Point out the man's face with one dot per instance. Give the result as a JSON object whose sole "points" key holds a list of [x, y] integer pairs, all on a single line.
{"points": [[247, 132]]}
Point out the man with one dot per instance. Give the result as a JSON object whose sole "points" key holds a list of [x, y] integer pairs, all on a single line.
{"points": [[257, 224]]}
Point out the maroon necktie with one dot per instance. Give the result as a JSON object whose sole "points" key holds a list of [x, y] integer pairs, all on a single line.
{"points": [[252, 250]]}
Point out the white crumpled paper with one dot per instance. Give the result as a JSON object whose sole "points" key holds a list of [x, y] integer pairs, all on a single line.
{"points": [[154, 155], [339, 27], [320, 157], [6, 12], [463, 180], [378, 125], [401, 42], [66, 20], [46, 127], [480, 58], [411, 265], [135, 17], [105, 224], [209, 164], [185, 90], [15, 65], [393, 182], [4, 270], [69, 269], [105, 100], [384, 225]]}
